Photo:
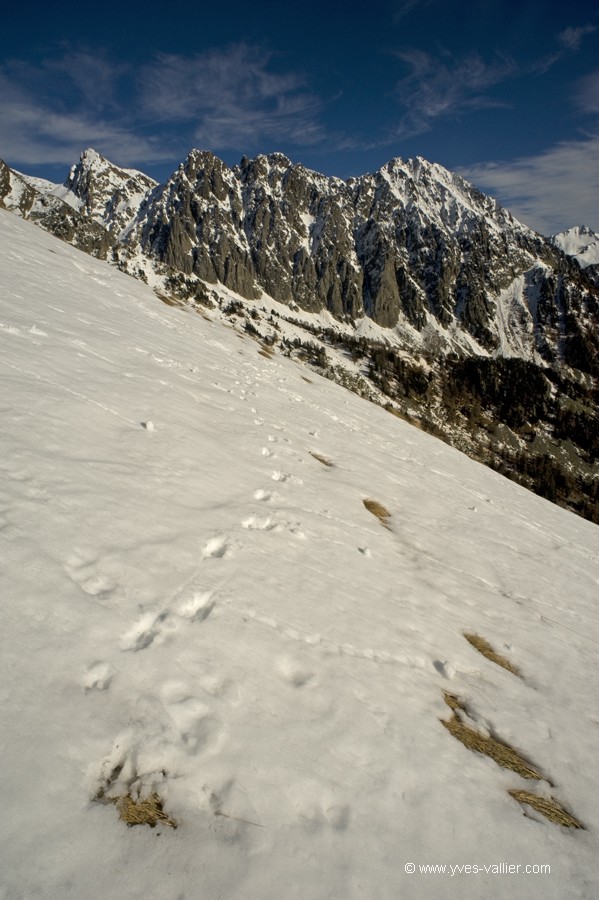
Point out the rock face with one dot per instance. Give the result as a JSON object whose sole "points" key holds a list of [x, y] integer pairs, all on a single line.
{"points": [[34, 200], [411, 246], [103, 192]]}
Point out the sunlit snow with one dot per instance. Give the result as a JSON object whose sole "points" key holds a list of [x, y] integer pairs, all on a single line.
{"points": [[195, 605]]}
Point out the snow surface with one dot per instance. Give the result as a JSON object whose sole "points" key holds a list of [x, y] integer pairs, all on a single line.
{"points": [[194, 604], [579, 242]]}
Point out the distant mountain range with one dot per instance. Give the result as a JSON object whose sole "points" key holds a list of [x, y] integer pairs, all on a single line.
{"points": [[411, 246], [412, 258]]}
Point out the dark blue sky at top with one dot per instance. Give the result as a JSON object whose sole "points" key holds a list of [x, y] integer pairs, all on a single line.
{"points": [[505, 92]]}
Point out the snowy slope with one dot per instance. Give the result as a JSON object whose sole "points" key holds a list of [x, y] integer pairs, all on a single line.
{"points": [[580, 242], [200, 608]]}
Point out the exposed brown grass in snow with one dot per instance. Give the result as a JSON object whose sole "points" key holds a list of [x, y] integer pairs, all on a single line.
{"points": [[170, 301], [548, 808], [483, 646], [322, 459], [377, 509], [148, 811], [502, 754]]}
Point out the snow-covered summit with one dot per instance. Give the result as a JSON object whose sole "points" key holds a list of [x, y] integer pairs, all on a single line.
{"points": [[441, 197], [580, 242], [108, 194], [204, 608]]}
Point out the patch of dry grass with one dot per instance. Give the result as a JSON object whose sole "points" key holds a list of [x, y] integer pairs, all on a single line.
{"points": [[452, 701], [548, 808], [322, 459], [502, 754], [148, 811], [267, 354], [483, 646], [377, 509], [170, 301]]}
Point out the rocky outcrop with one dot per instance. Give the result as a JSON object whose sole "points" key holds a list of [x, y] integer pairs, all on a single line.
{"points": [[53, 214], [105, 193]]}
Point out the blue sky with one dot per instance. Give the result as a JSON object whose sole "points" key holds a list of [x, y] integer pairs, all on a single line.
{"points": [[505, 92]]}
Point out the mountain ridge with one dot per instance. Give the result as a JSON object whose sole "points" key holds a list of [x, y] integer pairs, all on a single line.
{"points": [[408, 245]]}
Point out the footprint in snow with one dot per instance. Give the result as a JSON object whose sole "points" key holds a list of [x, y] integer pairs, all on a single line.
{"points": [[216, 548], [265, 496], [199, 729], [253, 523], [145, 631], [80, 566], [444, 668], [194, 606], [197, 606], [285, 476], [317, 806], [292, 671], [97, 677]]}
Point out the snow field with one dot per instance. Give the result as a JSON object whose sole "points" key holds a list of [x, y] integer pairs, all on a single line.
{"points": [[205, 610]]}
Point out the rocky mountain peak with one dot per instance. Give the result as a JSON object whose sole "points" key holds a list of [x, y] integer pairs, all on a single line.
{"points": [[108, 194], [581, 242]]}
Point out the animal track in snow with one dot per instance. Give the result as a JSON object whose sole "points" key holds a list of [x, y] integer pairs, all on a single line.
{"points": [[255, 524], [199, 730], [122, 776], [80, 567], [96, 585], [330, 647], [216, 548], [196, 607], [317, 806], [285, 476], [97, 677], [145, 631], [292, 671], [265, 496]]}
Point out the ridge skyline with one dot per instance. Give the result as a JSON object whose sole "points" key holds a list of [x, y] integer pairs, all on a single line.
{"points": [[506, 96]]}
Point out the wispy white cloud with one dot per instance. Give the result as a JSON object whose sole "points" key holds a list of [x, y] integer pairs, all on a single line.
{"points": [[232, 97], [550, 191], [48, 114], [571, 38], [587, 93], [93, 76], [236, 97], [441, 86]]}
